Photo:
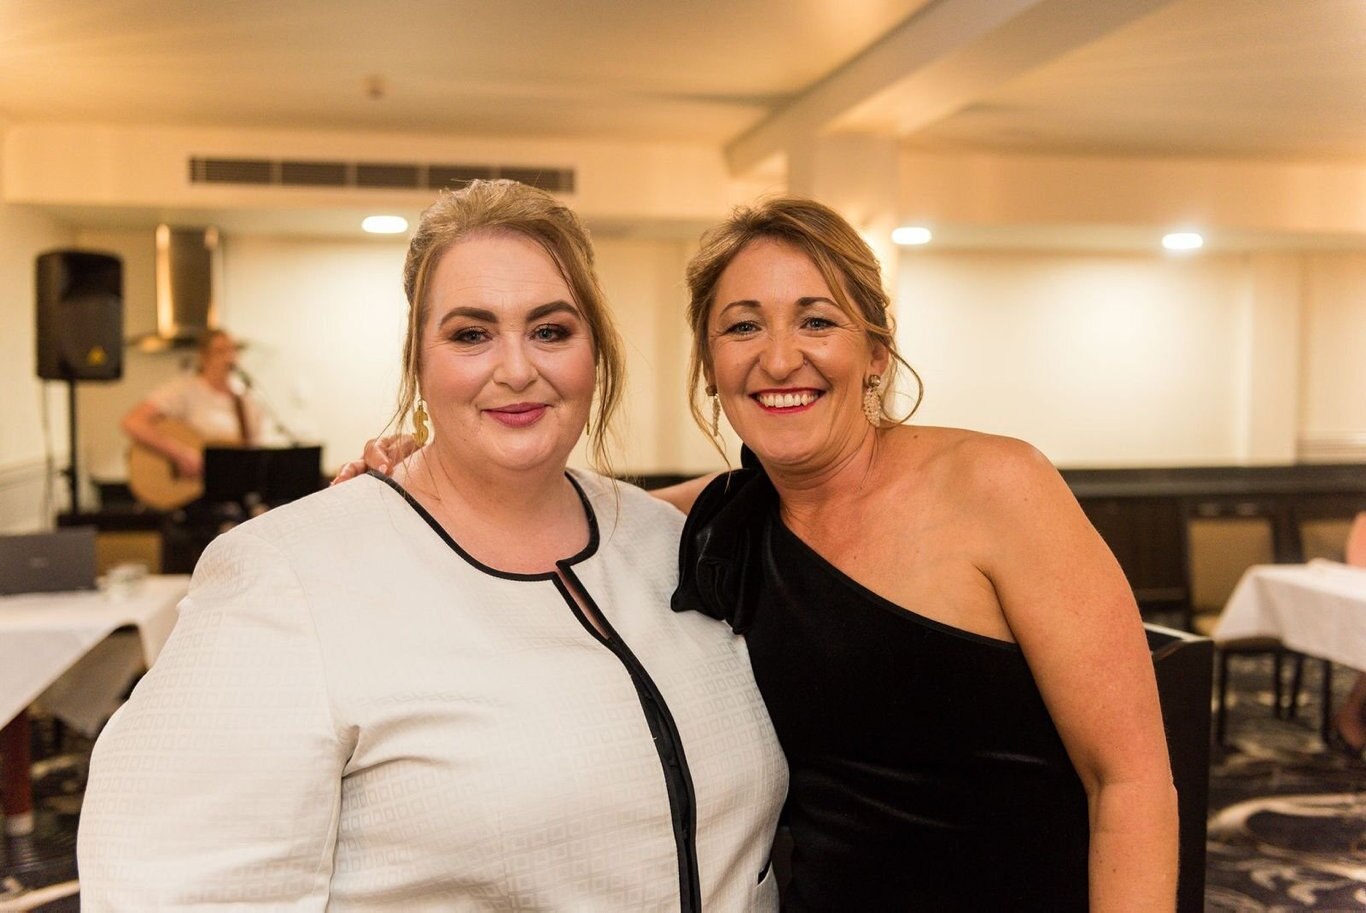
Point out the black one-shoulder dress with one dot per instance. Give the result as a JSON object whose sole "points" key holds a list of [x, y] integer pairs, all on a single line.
{"points": [[926, 772]]}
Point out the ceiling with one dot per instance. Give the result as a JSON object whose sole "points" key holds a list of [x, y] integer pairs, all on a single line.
{"points": [[1259, 78], [1282, 79], [582, 68]]}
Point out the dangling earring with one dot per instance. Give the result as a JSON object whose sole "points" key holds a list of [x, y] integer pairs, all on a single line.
{"points": [[872, 403], [715, 410], [420, 432]]}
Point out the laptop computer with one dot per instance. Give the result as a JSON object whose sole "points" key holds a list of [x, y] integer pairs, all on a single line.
{"points": [[48, 562]]}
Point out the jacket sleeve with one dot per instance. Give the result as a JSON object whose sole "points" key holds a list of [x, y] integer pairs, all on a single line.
{"points": [[219, 782]]}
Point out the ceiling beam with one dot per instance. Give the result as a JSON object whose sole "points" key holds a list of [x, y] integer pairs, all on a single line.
{"points": [[937, 62]]}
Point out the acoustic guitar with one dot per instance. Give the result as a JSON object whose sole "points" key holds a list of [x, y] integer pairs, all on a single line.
{"points": [[153, 477]]}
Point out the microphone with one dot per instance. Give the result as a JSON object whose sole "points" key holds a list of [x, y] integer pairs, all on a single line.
{"points": [[244, 377]]}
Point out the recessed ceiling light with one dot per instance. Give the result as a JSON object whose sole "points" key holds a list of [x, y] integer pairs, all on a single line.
{"points": [[908, 235], [385, 225], [1183, 240]]}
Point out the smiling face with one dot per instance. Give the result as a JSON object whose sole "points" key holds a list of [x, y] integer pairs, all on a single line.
{"points": [[788, 364], [507, 357]]}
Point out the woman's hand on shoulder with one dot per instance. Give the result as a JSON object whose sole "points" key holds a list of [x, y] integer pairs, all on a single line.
{"points": [[380, 454]]}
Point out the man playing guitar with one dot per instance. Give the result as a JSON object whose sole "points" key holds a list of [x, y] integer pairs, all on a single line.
{"points": [[171, 426]]}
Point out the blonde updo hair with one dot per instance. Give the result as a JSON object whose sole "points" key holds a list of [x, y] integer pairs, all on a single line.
{"points": [[846, 263], [507, 207]]}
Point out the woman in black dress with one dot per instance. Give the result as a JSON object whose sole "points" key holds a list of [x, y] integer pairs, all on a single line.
{"points": [[951, 656]]}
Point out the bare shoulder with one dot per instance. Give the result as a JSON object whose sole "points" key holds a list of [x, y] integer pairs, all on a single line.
{"points": [[973, 465], [997, 453]]}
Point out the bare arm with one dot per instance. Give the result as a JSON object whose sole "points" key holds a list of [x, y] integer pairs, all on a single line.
{"points": [[140, 424], [1072, 612], [1356, 541]]}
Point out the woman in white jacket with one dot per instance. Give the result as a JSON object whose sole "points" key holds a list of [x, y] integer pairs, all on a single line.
{"points": [[459, 688]]}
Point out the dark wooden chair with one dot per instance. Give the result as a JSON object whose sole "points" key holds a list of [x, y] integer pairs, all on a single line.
{"points": [[1184, 663], [1219, 549]]}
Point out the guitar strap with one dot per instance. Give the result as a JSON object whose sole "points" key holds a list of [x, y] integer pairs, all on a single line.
{"points": [[241, 409]]}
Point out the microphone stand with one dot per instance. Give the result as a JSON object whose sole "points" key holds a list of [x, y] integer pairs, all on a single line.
{"points": [[266, 406]]}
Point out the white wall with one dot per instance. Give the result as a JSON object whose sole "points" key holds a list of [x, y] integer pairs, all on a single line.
{"points": [[323, 320], [26, 234], [1108, 360], [644, 284], [1100, 360], [324, 324], [1333, 424]]}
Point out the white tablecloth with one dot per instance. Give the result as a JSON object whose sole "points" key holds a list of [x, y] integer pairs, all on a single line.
{"points": [[1317, 608], [43, 635]]}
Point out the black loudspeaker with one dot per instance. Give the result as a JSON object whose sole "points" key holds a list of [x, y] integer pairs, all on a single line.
{"points": [[80, 316]]}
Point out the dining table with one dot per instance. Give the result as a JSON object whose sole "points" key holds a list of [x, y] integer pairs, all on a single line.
{"points": [[57, 647], [1318, 609]]}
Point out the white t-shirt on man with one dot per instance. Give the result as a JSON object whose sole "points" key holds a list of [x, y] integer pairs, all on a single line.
{"points": [[190, 400]]}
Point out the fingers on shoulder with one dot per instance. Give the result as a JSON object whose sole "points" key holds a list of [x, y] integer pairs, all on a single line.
{"points": [[384, 453], [400, 446], [349, 471]]}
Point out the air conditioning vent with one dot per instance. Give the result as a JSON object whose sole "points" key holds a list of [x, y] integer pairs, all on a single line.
{"points": [[378, 175], [230, 171], [313, 174], [370, 175]]}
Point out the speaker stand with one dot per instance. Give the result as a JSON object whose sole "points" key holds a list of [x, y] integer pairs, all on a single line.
{"points": [[72, 476]]}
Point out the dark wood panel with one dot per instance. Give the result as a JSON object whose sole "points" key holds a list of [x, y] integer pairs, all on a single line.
{"points": [[1147, 536], [1142, 513]]}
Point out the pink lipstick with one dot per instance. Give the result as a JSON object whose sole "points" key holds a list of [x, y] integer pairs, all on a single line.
{"points": [[518, 415]]}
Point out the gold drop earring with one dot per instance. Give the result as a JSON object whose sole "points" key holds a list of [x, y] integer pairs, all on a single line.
{"points": [[715, 410], [420, 432], [872, 402]]}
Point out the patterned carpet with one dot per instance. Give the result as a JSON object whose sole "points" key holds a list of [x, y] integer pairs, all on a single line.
{"points": [[1287, 827], [1287, 817]]}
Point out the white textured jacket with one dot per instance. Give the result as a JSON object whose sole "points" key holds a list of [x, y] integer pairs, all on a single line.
{"points": [[353, 714]]}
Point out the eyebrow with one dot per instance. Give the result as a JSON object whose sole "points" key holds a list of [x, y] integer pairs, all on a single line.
{"points": [[486, 316], [804, 302]]}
